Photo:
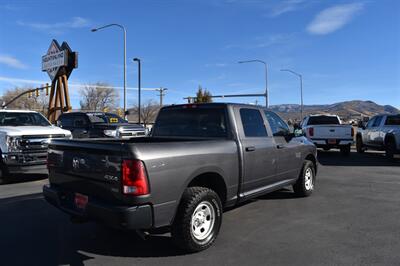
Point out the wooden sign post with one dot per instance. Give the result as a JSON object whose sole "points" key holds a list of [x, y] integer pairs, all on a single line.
{"points": [[59, 63]]}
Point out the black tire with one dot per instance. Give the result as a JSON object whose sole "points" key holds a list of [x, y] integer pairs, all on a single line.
{"points": [[359, 144], [3, 177], [301, 187], [390, 148], [345, 150], [183, 231]]}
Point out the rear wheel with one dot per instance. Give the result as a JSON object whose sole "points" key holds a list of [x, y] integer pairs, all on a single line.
{"points": [[198, 219], [345, 150], [390, 148], [306, 181], [359, 145]]}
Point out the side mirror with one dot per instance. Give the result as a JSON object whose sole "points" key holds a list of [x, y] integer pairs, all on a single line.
{"points": [[360, 124], [298, 132]]}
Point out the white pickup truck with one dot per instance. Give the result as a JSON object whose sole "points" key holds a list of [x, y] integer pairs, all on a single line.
{"points": [[24, 137], [382, 132], [327, 131]]}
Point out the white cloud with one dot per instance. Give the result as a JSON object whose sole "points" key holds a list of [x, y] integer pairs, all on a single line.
{"points": [[12, 62], [333, 18], [75, 22], [285, 7]]}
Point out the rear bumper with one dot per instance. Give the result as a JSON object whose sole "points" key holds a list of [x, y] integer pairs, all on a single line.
{"points": [[127, 217], [321, 143]]}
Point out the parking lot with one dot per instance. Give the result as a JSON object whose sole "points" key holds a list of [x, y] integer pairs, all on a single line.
{"points": [[352, 219]]}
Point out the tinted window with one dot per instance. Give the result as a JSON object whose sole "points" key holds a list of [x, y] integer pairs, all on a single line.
{"points": [[377, 121], [253, 123], [323, 120], [393, 120], [22, 119], [105, 118], [67, 120], [80, 121], [278, 126], [191, 122], [370, 122]]}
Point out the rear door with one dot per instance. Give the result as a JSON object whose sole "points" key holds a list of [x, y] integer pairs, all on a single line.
{"points": [[259, 158]]}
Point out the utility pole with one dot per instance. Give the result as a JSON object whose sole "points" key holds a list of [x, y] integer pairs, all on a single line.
{"points": [[162, 94]]}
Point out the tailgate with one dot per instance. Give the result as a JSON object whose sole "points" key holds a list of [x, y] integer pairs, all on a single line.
{"points": [[332, 132], [87, 167]]}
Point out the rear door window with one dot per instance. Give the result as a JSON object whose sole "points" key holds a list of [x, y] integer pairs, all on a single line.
{"points": [[393, 120], [253, 123]]}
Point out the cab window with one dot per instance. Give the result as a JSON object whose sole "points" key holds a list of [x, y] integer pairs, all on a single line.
{"points": [[253, 123]]}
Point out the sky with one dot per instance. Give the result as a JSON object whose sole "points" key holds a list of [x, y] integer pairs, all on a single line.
{"points": [[345, 50]]}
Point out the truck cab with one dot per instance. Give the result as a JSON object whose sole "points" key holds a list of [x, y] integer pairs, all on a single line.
{"points": [[382, 132]]}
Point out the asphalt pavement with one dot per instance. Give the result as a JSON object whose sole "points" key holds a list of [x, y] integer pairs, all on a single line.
{"points": [[353, 218]]}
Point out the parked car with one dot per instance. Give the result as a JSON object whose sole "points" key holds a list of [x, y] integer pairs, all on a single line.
{"points": [[199, 159], [24, 137], [99, 125], [327, 132], [382, 132]]}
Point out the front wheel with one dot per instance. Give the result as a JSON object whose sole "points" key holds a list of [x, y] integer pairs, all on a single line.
{"points": [[198, 219], [390, 149], [304, 186], [345, 150], [359, 145]]}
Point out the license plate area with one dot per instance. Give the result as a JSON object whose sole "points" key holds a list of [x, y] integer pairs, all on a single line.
{"points": [[80, 201], [331, 141]]}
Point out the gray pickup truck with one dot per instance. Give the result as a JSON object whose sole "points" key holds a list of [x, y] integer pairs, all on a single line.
{"points": [[199, 159]]}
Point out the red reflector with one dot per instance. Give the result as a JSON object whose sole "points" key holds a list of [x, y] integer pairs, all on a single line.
{"points": [[134, 178], [311, 131]]}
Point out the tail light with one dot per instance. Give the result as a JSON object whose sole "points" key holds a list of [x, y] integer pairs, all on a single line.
{"points": [[311, 131], [134, 178], [352, 131]]}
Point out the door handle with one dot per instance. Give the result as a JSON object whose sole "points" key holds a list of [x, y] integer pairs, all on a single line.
{"points": [[280, 146], [250, 148]]}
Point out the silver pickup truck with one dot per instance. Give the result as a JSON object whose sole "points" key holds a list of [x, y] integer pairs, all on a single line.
{"points": [[382, 132], [199, 159]]}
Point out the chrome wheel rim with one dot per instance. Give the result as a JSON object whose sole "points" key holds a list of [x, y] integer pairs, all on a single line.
{"points": [[308, 179], [203, 220]]}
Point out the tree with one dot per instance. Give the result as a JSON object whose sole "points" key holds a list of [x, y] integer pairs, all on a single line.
{"points": [[34, 103], [99, 96], [203, 96], [148, 112]]}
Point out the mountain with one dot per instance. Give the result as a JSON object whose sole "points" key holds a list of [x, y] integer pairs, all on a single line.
{"points": [[346, 110]]}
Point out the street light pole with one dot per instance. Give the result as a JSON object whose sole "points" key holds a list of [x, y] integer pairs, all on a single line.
{"points": [[301, 89], [125, 83], [139, 84], [266, 77]]}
